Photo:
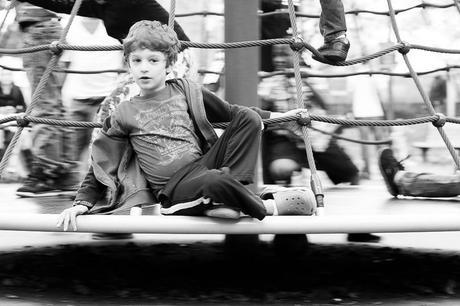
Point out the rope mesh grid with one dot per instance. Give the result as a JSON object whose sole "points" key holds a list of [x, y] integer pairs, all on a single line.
{"points": [[402, 47]]}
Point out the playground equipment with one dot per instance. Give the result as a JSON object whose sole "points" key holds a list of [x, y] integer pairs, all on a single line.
{"points": [[279, 224]]}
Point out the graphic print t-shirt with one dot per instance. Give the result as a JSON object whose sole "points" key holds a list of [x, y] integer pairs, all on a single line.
{"points": [[161, 132]]}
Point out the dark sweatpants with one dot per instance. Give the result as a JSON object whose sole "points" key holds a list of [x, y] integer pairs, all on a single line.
{"points": [[206, 182]]}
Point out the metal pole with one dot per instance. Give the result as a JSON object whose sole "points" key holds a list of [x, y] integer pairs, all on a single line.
{"points": [[327, 224], [241, 64]]}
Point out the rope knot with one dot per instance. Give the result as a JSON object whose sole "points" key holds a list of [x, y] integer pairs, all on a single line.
{"points": [[404, 49], [55, 48], [298, 44], [21, 121], [441, 120], [303, 118]]}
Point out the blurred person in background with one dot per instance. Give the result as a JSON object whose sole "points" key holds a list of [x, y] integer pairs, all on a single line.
{"points": [[284, 152], [52, 171], [438, 93], [83, 93], [11, 101]]}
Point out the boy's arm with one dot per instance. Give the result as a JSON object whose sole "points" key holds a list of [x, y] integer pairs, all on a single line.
{"points": [[218, 110], [90, 191]]}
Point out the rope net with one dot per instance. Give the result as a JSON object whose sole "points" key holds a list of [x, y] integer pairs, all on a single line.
{"points": [[297, 44]]}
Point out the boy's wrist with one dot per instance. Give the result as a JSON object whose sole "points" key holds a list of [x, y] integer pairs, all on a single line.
{"points": [[83, 203]]}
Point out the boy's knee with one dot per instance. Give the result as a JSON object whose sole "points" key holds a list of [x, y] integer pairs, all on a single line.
{"points": [[250, 119], [215, 179]]}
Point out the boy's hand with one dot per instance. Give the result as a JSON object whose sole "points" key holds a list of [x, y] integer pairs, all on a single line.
{"points": [[69, 217], [293, 125]]}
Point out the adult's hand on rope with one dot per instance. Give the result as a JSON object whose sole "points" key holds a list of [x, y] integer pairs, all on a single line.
{"points": [[69, 217]]}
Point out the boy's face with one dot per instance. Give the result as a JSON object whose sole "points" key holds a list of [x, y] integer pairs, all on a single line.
{"points": [[148, 69]]}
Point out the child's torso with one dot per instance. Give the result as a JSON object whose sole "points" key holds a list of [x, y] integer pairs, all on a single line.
{"points": [[162, 134]]}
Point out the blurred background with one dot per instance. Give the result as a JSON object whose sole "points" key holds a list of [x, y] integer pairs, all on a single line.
{"points": [[368, 33]]}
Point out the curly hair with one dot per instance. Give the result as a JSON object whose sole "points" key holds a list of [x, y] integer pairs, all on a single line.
{"points": [[154, 36]]}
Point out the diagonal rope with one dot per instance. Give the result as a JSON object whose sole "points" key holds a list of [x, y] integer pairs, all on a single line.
{"points": [[41, 85], [425, 98], [314, 178]]}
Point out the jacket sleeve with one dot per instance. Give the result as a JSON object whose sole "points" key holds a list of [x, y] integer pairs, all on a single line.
{"points": [[118, 15], [105, 154], [91, 190], [218, 110]]}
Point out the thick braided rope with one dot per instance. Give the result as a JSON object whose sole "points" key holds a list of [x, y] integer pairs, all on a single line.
{"points": [[315, 181], [263, 74], [457, 5], [172, 14], [366, 142], [402, 47], [321, 118], [41, 85], [425, 98], [350, 12]]}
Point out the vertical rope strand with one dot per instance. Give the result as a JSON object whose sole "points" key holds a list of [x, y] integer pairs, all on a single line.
{"points": [[172, 14], [40, 86], [457, 5], [422, 92], [315, 182]]}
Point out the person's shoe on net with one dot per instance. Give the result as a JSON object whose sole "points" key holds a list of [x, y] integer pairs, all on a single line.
{"points": [[389, 166], [335, 50], [33, 187]]}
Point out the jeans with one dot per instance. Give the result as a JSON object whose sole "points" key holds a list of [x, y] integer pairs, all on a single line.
{"points": [[50, 154], [428, 184], [332, 21], [83, 110]]}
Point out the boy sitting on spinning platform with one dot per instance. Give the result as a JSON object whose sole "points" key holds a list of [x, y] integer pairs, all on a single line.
{"points": [[161, 147]]}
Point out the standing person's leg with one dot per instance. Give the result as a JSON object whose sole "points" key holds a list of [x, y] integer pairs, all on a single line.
{"points": [[51, 167], [83, 110], [333, 27]]}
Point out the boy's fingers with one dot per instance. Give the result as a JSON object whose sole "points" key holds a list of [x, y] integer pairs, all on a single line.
{"points": [[73, 221], [66, 222], [60, 220]]}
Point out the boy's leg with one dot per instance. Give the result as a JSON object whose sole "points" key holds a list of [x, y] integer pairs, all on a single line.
{"points": [[219, 175], [198, 189], [238, 147]]}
